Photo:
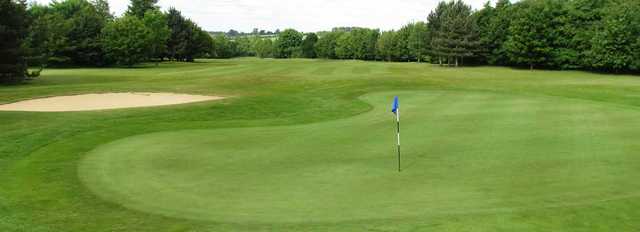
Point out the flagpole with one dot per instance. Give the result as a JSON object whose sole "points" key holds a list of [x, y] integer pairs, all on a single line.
{"points": [[399, 154]]}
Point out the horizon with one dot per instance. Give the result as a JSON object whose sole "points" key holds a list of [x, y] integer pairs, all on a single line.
{"points": [[310, 16]]}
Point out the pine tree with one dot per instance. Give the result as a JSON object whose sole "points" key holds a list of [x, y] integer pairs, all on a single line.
{"points": [[455, 33], [12, 32]]}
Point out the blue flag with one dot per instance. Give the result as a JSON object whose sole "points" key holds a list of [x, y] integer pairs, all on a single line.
{"points": [[396, 105]]}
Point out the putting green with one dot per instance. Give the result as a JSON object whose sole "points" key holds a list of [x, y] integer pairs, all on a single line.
{"points": [[465, 152]]}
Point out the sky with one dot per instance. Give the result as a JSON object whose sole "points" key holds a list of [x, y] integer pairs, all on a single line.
{"points": [[303, 15]]}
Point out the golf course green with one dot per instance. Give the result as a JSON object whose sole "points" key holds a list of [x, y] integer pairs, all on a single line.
{"points": [[309, 145]]}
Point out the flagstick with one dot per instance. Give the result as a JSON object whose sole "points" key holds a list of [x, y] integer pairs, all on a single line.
{"points": [[399, 154]]}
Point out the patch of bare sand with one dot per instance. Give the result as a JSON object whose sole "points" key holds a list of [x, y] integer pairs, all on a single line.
{"points": [[104, 101]]}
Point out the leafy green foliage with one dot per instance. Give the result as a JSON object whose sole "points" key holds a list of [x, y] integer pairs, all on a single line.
{"points": [[287, 44], [139, 8], [385, 47], [364, 42], [187, 40], [493, 24], [127, 40], [345, 46], [82, 25], [156, 22], [67, 33], [359, 43], [103, 9], [557, 34], [245, 47], [326, 45], [308, 45], [223, 47], [401, 44], [264, 48], [575, 34], [418, 42], [616, 43], [584, 17], [537, 36]]}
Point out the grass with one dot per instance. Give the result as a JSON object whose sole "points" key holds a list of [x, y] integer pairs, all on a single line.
{"points": [[305, 145]]}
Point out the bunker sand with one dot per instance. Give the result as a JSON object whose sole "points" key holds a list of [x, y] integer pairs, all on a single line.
{"points": [[104, 101]]}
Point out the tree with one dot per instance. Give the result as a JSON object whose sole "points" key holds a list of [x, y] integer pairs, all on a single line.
{"points": [[176, 23], [455, 32], [264, 48], [616, 43], [139, 8], [484, 18], [43, 28], [308, 45], [67, 33], [418, 43], [287, 43], [187, 40], [358, 43], [78, 25], [156, 22], [345, 46], [386, 45], [561, 34], [326, 45], [127, 40], [363, 42], [245, 47], [531, 34], [197, 42], [103, 9], [12, 32], [223, 47], [401, 42], [435, 22], [585, 17], [493, 24]]}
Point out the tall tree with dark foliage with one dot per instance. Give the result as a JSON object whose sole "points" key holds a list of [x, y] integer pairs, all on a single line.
{"points": [[308, 45], [455, 34], [12, 32]]}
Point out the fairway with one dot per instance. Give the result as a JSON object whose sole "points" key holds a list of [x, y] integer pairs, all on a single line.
{"points": [[309, 145]]}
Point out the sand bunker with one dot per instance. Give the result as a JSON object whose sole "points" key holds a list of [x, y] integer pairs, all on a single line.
{"points": [[106, 101]]}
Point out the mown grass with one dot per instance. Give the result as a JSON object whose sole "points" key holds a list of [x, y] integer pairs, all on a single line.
{"points": [[498, 150]]}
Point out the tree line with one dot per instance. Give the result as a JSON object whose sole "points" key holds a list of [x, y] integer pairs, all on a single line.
{"points": [[601, 35], [71, 33], [254, 32], [85, 33]]}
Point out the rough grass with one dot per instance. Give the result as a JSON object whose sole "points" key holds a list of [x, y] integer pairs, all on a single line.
{"points": [[308, 146]]}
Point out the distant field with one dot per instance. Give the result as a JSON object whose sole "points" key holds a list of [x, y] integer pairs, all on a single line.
{"points": [[308, 145]]}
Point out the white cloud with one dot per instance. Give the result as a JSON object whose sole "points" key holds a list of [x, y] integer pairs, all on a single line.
{"points": [[307, 15]]}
